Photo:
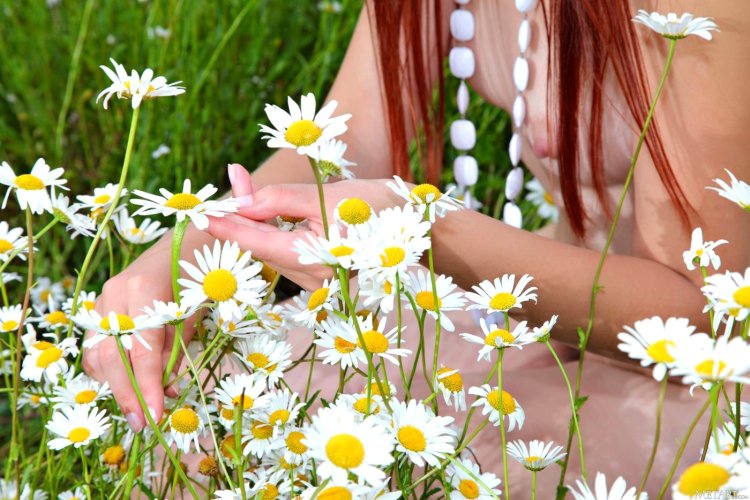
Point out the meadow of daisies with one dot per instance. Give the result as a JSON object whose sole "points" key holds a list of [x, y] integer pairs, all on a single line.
{"points": [[234, 425]]}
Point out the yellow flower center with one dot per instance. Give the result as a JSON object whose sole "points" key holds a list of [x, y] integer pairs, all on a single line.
{"points": [[185, 421], [548, 198], [392, 256], [5, 246], [279, 417], [659, 351], [343, 346], [321, 316], [291, 219], [136, 232], [9, 325], [702, 478], [742, 296], [85, 397], [504, 335], [45, 295], [508, 405], [426, 193], [335, 493], [42, 345], [426, 300], [227, 413], [35, 398], [258, 359], [102, 199], [468, 488], [709, 368], [79, 434], [355, 211], [227, 447], [412, 438], [57, 318], [345, 451], [317, 298], [208, 467], [261, 430], [267, 273], [29, 182], [124, 321], [49, 356], [341, 251], [453, 382], [360, 405], [294, 442], [503, 301], [243, 400], [303, 133], [533, 458], [387, 288], [219, 285], [114, 455], [183, 201], [270, 492], [88, 304], [375, 341]]}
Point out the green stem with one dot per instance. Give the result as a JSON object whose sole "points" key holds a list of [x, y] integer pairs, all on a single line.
{"points": [[313, 355], [177, 236], [399, 322], [533, 485], [436, 305], [681, 449], [321, 195], [708, 301], [506, 477], [615, 219], [657, 434], [87, 481]]}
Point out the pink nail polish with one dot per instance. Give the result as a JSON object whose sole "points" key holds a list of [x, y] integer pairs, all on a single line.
{"points": [[232, 172], [134, 421]]}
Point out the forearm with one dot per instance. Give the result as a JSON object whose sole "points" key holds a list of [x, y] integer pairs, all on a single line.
{"points": [[472, 247]]}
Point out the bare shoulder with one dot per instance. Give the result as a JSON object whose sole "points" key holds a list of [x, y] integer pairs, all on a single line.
{"points": [[704, 121]]}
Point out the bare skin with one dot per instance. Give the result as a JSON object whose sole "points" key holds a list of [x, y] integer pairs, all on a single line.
{"points": [[704, 116]]}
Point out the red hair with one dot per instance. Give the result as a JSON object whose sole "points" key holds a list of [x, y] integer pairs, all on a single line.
{"points": [[586, 37]]}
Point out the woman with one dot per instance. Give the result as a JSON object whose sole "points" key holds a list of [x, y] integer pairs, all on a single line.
{"points": [[586, 100]]}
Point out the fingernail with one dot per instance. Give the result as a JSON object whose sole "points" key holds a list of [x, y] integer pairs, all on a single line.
{"points": [[134, 421], [244, 201], [153, 413], [232, 172]]}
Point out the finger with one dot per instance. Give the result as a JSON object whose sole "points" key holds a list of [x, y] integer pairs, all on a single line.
{"points": [[117, 377], [266, 242], [242, 183], [295, 200], [148, 369], [171, 389]]}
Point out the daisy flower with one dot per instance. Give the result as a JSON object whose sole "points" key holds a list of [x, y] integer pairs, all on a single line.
{"points": [[451, 384], [343, 489], [237, 494], [618, 491], [653, 341], [542, 333], [53, 319], [358, 403], [295, 451], [700, 253], [313, 307], [86, 300], [342, 445], [673, 27], [725, 478], [704, 361], [379, 343], [186, 426], [421, 435], [289, 223], [542, 200], [537, 456], [354, 213], [136, 87], [242, 390], [426, 198], [336, 250], [466, 487], [76, 426], [48, 360], [745, 415], [10, 318], [260, 438], [379, 294], [721, 441], [499, 338], [114, 325], [302, 128], [33, 397], [197, 207], [420, 287], [237, 326], [737, 192], [271, 486], [503, 294], [494, 405], [330, 158], [81, 390], [101, 200], [169, 313], [31, 188], [8, 277], [76, 494], [225, 276], [11, 240], [338, 338], [9, 490], [730, 292], [45, 291], [282, 408], [131, 232], [266, 357], [76, 224]]}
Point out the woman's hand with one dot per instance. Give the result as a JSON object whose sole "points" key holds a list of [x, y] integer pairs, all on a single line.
{"points": [[274, 246]]}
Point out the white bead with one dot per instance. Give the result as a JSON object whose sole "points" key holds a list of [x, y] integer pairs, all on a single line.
{"points": [[512, 215], [462, 25], [462, 2], [525, 5], [514, 149], [520, 72], [465, 170], [462, 98], [519, 111], [463, 135], [461, 62], [514, 183], [524, 35]]}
